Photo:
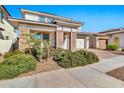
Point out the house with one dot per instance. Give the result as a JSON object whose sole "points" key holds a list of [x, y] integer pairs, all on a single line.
{"points": [[62, 32], [7, 32], [114, 36]]}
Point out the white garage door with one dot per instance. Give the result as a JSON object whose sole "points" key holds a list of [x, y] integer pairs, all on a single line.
{"points": [[80, 43]]}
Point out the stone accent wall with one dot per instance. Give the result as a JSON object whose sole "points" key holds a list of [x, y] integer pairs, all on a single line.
{"points": [[73, 37], [59, 39], [22, 38]]}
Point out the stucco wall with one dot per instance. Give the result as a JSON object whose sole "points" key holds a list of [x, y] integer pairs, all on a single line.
{"points": [[8, 30], [40, 28], [121, 39], [32, 17], [68, 29], [5, 46]]}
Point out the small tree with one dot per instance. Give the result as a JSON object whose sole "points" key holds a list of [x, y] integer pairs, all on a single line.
{"points": [[34, 46], [36, 49], [47, 49]]}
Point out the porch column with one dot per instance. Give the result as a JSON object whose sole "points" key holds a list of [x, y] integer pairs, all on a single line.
{"points": [[97, 42], [73, 37], [87, 42], [22, 38], [59, 39]]}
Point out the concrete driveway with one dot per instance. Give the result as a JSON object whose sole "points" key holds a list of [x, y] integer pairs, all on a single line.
{"points": [[103, 54], [90, 76]]}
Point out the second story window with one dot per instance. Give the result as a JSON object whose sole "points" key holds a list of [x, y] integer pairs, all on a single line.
{"points": [[42, 19], [49, 20]]}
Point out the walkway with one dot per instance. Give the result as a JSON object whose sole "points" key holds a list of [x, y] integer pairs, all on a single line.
{"points": [[90, 76]]}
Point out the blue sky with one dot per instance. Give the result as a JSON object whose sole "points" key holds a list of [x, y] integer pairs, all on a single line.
{"points": [[96, 18]]}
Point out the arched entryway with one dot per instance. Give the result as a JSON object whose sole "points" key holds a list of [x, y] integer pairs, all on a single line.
{"points": [[116, 40]]}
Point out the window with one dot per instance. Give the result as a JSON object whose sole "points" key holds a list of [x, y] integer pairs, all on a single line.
{"points": [[38, 36], [7, 37], [46, 36], [49, 20], [42, 19]]}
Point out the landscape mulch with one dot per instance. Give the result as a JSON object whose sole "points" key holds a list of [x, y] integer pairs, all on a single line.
{"points": [[43, 67], [117, 73]]}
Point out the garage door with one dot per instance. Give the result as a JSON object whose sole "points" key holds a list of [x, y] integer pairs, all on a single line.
{"points": [[80, 43], [102, 44]]}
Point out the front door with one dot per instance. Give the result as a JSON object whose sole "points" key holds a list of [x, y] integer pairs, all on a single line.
{"points": [[66, 43]]}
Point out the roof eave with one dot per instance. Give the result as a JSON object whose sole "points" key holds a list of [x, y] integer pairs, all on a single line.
{"points": [[40, 13], [30, 22], [5, 10]]}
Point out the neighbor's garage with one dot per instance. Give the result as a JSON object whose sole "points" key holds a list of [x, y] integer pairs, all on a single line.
{"points": [[80, 43], [102, 43]]}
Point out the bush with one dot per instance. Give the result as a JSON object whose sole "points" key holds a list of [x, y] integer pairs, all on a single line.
{"points": [[69, 59], [56, 52], [112, 47], [122, 49], [9, 54], [17, 64]]}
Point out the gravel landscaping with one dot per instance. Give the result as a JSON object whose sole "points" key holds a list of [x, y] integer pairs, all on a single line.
{"points": [[117, 73]]}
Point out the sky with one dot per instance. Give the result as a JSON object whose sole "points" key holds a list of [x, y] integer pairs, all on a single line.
{"points": [[96, 18]]}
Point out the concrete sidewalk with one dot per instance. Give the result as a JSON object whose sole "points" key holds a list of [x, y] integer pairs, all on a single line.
{"points": [[80, 77]]}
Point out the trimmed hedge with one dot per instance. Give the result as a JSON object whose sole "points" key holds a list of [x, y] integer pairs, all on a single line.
{"points": [[112, 47], [69, 59], [17, 64]]}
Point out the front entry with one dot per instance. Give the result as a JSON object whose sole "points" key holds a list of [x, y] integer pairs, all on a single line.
{"points": [[116, 41], [66, 41]]}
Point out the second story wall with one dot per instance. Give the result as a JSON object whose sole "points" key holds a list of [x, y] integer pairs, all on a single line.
{"points": [[62, 23], [32, 17]]}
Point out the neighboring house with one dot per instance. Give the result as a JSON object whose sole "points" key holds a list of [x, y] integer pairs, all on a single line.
{"points": [[114, 36], [7, 32], [60, 31]]}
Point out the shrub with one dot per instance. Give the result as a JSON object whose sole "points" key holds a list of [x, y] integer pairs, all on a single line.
{"points": [[7, 71], [89, 56], [56, 52], [122, 49], [9, 54], [17, 64], [37, 53], [69, 59], [112, 47]]}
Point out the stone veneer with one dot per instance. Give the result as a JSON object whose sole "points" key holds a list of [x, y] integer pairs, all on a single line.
{"points": [[59, 39], [73, 36], [22, 39]]}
